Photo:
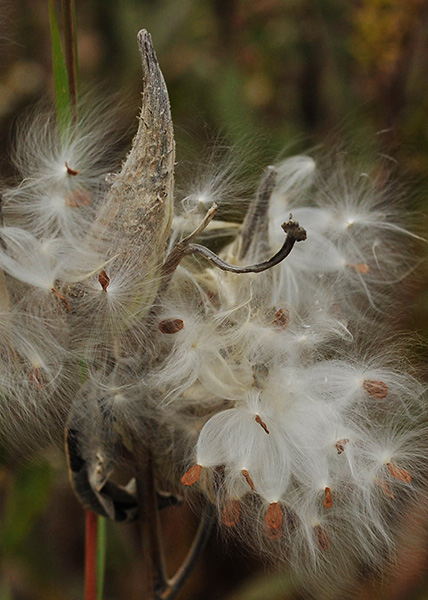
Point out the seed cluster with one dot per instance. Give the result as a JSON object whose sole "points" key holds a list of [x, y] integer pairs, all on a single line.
{"points": [[265, 375]]}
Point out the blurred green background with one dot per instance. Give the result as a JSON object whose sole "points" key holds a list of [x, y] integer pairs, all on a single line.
{"points": [[278, 72], [268, 76]]}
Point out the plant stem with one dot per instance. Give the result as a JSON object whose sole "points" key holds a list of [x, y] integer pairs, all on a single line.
{"points": [[91, 530], [70, 52], [155, 583], [153, 575], [101, 555], [202, 535]]}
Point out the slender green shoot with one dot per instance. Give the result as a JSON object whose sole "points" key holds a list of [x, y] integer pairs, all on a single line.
{"points": [[62, 90], [71, 53], [101, 555], [66, 74]]}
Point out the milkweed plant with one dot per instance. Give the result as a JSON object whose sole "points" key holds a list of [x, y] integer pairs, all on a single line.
{"points": [[262, 380]]}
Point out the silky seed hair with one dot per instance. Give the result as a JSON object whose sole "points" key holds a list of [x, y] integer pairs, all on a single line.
{"points": [[311, 393]]}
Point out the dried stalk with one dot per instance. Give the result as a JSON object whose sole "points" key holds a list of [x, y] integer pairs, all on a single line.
{"points": [[156, 584]]}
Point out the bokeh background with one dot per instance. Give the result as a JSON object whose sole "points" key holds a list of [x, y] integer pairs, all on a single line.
{"points": [[269, 78]]}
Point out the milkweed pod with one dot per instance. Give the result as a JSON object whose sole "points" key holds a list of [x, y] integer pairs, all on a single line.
{"points": [[137, 213]]}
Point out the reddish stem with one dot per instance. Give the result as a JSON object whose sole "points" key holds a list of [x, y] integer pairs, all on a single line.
{"points": [[91, 531]]}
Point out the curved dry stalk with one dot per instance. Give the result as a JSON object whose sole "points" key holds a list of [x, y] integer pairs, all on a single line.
{"points": [[294, 232], [179, 250], [175, 583], [157, 584]]}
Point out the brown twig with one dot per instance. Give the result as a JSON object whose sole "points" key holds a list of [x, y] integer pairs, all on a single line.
{"points": [[295, 233]]}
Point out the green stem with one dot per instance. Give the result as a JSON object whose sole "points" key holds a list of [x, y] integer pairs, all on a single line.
{"points": [[101, 555], [70, 52], [62, 92]]}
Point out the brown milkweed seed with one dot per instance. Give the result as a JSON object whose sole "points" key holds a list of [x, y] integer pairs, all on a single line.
{"points": [[340, 445], [262, 424], [71, 171], [231, 512], [62, 298], [281, 318], [192, 475], [170, 326], [328, 498], [35, 377], [398, 473], [323, 537], [360, 268], [273, 518], [375, 389], [104, 280], [385, 488], [274, 534], [248, 478]]}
